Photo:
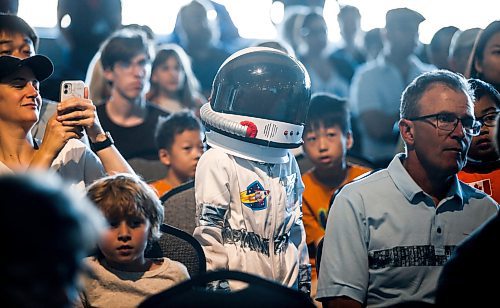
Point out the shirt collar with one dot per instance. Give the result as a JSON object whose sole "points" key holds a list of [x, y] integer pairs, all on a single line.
{"points": [[410, 189]]}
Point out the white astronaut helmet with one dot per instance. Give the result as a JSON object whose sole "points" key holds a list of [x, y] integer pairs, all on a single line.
{"points": [[258, 105]]}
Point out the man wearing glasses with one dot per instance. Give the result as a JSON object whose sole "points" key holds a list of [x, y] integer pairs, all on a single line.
{"points": [[389, 234], [482, 170]]}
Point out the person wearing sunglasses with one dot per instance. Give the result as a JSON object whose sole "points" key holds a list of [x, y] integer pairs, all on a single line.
{"points": [[389, 234], [482, 170]]}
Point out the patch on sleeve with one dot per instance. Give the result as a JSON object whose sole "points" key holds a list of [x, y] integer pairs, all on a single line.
{"points": [[255, 196]]}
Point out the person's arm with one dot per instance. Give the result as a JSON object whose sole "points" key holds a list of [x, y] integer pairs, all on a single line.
{"points": [[111, 158], [304, 279], [344, 270], [298, 233], [213, 200], [81, 112]]}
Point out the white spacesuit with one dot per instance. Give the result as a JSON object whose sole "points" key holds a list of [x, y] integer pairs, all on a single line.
{"points": [[248, 185]]}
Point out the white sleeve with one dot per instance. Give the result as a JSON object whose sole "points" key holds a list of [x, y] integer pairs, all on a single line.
{"points": [[344, 261], [298, 234], [212, 206]]}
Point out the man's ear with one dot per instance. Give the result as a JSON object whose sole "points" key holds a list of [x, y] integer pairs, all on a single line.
{"points": [[406, 130], [349, 140], [164, 156]]}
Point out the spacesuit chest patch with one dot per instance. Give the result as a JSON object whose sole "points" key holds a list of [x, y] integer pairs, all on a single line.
{"points": [[255, 196]]}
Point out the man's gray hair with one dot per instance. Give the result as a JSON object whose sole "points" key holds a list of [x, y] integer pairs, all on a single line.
{"points": [[416, 89]]}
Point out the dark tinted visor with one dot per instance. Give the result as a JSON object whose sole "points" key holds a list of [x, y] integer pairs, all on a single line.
{"points": [[270, 86]]}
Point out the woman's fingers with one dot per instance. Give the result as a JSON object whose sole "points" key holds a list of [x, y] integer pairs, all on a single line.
{"points": [[77, 111]]}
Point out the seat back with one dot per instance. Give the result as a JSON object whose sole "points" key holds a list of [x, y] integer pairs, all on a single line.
{"points": [[260, 293], [180, 207], [149, 170], [180, 246]]}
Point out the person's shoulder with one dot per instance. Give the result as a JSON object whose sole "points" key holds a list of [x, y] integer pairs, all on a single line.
{"points": [[155, 110], [357, 170], [49, 107], [176, 268], [92, 263], [369, 182], [49, 103], [473, 193], [307, 176], [369, 71], [214, 154]]}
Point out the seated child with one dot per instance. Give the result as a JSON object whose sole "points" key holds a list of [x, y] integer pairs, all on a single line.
{"points": [[248, 186], [483, 163], [179, 139], [121, 275], [327, 137]]}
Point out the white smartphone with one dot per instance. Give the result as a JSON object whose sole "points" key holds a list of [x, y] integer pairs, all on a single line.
{"points": [[71, 88]]}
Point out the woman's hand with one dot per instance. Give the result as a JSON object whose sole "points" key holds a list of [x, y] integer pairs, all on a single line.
{"points": [[80, 112], [55, 138]]}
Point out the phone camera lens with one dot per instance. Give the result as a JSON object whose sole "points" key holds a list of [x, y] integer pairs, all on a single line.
{"points": [[66, 86], [65, 91]]}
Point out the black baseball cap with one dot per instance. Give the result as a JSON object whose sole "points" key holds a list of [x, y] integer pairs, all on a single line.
{"points": [[41, 66]]}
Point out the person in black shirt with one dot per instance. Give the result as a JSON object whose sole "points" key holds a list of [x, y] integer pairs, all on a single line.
{"points": [[131, 120]]}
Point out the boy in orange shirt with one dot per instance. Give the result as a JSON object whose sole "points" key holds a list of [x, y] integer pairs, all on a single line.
{"points": [[483, 162], [327, 137], [179, 139]]}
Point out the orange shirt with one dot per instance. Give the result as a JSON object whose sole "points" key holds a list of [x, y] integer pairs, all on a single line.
{"points": [[161, 187], [489, 182], [316, 199]]}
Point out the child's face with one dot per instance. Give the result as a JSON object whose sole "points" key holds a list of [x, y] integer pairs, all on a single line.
{"points": [[326, 146], [169, 75], [482, 147], [123, 244], [184, 154]]}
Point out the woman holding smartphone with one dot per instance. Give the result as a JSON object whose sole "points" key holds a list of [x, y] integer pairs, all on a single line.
{"points": [[60, 149]]}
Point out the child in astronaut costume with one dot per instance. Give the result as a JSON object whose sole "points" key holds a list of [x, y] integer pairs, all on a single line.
{"points": [[248, 185]]}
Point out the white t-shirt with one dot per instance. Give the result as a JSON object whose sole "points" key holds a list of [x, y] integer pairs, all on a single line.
{"points": [[76, 164]]}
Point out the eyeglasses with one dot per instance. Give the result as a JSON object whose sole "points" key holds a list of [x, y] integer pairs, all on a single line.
{"points": [[449, 121], [489, 119]]}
